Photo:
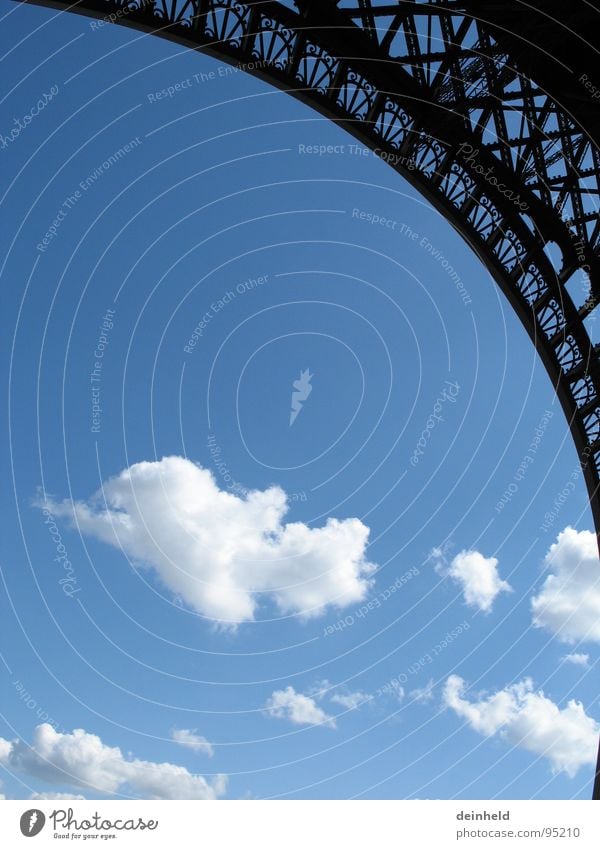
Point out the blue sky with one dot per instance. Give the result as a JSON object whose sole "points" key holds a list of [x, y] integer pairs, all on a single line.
{"points": [[229, 641]]}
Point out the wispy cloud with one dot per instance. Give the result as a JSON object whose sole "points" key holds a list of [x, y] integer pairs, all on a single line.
{"points": [[63, 797], [422, 694], [577, 659], [192, 740]]}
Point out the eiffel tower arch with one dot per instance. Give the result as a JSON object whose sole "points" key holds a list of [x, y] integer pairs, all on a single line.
{"points": [[489, 108]]}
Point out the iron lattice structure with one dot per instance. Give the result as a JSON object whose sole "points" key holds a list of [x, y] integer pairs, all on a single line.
{"points": [[486, 107]]}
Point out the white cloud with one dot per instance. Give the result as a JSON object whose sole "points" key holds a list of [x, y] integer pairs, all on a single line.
{"points": [[339, 694], [66, 797], [192, 741], [217, 550], [577, 659], [568, 737], [569, 601], [5, 748], [321, 689], [83, 760], [391, 688], [478, 578], [351, 701], [437, 554], [422, 694], [297, 708]]}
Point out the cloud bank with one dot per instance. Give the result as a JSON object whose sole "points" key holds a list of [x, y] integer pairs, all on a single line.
{"points": [[351, 701]]}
